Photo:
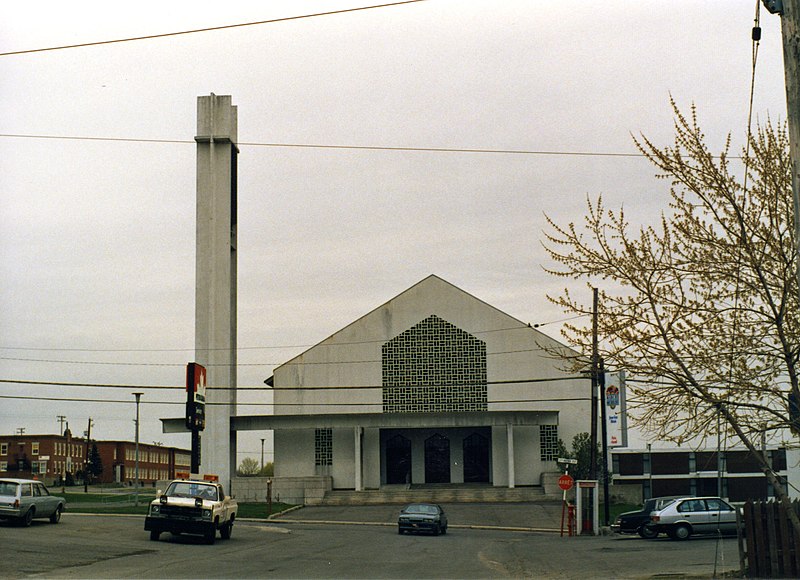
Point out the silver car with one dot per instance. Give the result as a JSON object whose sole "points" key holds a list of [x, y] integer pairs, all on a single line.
{"points": [[695, 515], [24, 499]]}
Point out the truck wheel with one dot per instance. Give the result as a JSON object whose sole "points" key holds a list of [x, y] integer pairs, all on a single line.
{"points": [[154, 534], [226, 530], [210, 536]]}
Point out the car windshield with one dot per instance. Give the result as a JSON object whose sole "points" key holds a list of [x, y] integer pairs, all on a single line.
{"points": [[192, 489], [8, 488], [422, 509]]}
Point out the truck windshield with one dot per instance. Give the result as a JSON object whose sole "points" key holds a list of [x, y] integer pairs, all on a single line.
{"points": [[192, 489]]}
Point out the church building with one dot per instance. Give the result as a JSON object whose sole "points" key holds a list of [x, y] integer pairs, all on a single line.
{"points": [[434, 386]]}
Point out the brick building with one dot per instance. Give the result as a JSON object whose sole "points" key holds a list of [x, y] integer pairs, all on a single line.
{"points": [[56, 458]]}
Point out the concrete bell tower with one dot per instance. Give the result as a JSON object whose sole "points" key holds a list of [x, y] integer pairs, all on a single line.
{"points": [[215, 279]]}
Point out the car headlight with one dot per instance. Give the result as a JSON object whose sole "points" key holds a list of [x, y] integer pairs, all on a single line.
{"points": [[207, 514]]}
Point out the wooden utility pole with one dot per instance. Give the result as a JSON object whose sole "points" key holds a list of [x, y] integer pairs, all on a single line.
{"points": [[790, 31], [595, 385]]}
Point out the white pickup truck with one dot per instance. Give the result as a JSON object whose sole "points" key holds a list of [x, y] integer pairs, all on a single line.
{"points": [[192, 507]]}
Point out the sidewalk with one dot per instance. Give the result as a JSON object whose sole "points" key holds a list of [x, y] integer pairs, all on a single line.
{"points": [[540, 517]]}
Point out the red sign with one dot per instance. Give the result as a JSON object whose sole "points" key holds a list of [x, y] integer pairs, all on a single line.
{"points": [[565, 482]]}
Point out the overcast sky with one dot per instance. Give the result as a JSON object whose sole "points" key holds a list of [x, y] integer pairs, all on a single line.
{"points": [[97, 237]]}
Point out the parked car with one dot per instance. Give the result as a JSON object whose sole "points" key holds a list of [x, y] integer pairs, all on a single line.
{"points": [[23, 500], [638, 522], [695, 515], [422, 517]]}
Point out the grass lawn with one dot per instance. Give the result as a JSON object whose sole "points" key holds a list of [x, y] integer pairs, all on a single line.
{"points": [[116, 503]]}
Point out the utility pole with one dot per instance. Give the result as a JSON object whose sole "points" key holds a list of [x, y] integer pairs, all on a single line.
{"points": [[604, 444], [789, 11], [595, 384], [136, 484], [86, 458]]}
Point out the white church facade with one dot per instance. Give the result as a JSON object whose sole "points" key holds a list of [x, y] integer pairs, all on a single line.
{"points": [[434, 386]]}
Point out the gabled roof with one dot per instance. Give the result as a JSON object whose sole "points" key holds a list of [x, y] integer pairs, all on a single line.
{"points": [[429, 286]]}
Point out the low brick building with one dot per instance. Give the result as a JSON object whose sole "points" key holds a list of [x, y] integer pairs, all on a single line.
{"points": [[55, 458]]}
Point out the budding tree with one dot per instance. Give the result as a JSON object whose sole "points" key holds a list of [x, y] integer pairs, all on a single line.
{"points": [[701, 310]]}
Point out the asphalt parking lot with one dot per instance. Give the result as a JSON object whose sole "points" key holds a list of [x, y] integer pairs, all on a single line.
{"points": [[539, 517]]}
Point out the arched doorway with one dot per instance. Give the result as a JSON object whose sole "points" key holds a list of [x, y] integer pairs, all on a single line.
{"points": [[398, 460], [476, 459], [437, 459]]}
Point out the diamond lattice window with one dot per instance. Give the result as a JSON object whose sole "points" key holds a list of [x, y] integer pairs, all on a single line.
{"points": [[434, 366], [323, 446], [548, 442]]}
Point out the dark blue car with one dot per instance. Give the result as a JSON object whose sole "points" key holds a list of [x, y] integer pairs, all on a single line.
{"points": [[422, 517]]}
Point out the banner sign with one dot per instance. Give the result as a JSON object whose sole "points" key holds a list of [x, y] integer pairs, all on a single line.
{"points": [[616, 418]]}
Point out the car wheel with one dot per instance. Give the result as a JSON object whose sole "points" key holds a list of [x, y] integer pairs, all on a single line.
{"points": [[27, 518], [648, 532], [154, 535], [444, 530], [400, 531], [226, 530], [680, 532], [56, 516], [437, 530]]}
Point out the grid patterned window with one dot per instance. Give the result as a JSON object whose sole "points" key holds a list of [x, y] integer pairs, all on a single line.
{"points": [[433, 367], [548, 442], [323, 447]]}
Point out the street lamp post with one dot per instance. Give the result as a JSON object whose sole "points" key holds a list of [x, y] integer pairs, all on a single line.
{"points": [[136, 472], [262, 455]]}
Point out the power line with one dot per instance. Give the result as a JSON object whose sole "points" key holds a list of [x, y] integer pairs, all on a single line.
{"points": [[209, 365], [255, 404], [476, 150], [241, 348], [283, 389], [208, 29]]}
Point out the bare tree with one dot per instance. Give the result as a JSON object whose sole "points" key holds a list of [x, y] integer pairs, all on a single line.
{"points": [[701, 311]]}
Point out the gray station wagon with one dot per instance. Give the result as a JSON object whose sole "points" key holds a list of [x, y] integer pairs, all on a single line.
{"points": [[22, 500]]}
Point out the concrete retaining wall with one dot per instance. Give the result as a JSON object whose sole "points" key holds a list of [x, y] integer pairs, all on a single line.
{"points": [[295, 490]]}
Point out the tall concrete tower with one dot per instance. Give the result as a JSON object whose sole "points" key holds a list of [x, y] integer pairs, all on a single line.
{"points": [[215, 278]]}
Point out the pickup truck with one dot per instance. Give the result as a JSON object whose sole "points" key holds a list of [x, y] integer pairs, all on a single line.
{"points": [[192, 507]]}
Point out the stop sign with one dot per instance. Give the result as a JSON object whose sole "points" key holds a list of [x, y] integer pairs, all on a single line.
{"points": [[565, 482]]}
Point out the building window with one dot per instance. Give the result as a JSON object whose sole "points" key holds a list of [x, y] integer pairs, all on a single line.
{"points": [[3, 448], [548, 442], [434, 366], [323, 447], [3, 465], [35, 448]]}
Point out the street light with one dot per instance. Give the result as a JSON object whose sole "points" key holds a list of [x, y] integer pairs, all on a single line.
{"points": [[136, 484], [262, 455]]}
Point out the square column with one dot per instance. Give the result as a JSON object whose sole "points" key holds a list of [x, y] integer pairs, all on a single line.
{"points": [[510, 437], [215, 278]]}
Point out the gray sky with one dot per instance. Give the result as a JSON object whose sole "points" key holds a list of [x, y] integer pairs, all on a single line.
{"points": [[97, 236]]}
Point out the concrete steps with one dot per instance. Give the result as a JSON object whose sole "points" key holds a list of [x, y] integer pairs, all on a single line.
{"points": [[435, 494]]}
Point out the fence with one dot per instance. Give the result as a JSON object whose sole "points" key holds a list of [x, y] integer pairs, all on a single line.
{"points": [[770, 547]]}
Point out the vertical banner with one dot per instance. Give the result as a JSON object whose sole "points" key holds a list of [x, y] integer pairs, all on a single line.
{"points": [[616, 418]]}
